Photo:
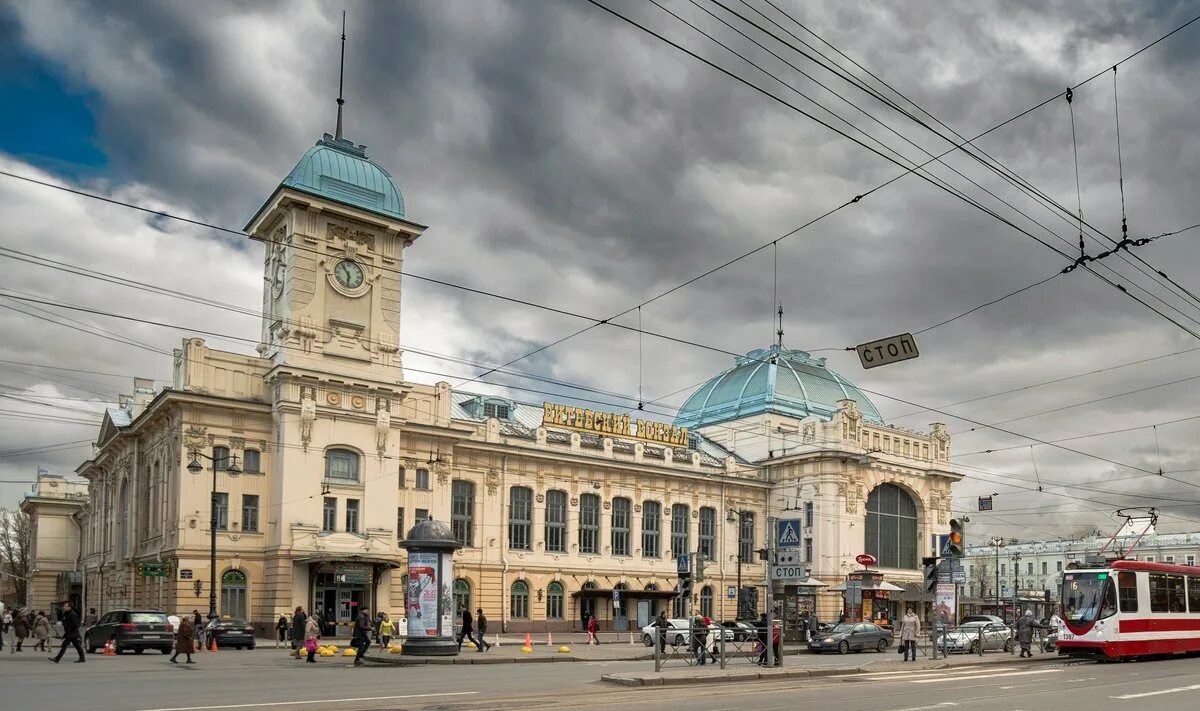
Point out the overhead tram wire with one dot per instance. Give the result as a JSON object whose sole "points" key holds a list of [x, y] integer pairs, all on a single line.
{"points": [[998, 168]]}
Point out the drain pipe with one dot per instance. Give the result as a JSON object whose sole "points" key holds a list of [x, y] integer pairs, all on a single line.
{"points": [[503, 545]]}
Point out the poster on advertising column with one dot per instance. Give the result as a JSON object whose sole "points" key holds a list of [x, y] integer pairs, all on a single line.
{"points": [[447, 585], [945, 605], [423, 590]]}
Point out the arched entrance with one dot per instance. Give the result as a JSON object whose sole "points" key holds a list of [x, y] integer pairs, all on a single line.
{"points": [[233, 595], [587, 605], [891, 527]]}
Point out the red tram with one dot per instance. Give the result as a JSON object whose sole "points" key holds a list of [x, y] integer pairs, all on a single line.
{"points": [[1130, 608]]}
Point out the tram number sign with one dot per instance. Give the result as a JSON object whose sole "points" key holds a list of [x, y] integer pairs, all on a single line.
{"points": [[887, 351]]}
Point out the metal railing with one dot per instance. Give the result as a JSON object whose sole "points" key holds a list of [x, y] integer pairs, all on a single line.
{"points": [[697, 646]]}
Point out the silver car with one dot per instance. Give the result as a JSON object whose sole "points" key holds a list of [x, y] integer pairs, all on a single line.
{"points": [[966, 638]]}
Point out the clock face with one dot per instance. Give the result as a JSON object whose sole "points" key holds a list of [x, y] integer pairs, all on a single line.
{"points": [[349, 274]]}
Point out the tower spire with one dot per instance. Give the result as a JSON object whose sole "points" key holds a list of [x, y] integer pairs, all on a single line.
{"points": [[337, 133]]}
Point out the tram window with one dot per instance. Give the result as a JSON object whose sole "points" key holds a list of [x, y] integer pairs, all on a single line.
{"points": [[1167, 593], [1127, 591], [1194, 593]]}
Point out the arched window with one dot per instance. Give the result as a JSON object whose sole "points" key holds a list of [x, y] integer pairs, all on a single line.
{"points": [[519, 600], [554, 601], [520, 518], [891, 527], [587, 605], [341, 465], [620, 525], [651, 525], [220, 458], [251, 461], [746, 537], [556, 521], [681, 541], [462, 511], [123, 534], [233, 595], [706, 601], [462, 595]]}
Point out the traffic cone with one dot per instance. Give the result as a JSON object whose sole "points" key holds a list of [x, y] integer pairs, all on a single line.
{"points": [[213, 646], [109, 649], [549, 639], [528, 648]]}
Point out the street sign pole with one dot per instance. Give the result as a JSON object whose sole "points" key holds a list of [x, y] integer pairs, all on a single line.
{"points": [[771, 549]]}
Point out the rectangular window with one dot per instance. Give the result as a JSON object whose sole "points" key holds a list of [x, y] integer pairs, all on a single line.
{"points": [[1127, 595], [420, 515], [1169, 559], [1045, 568], [222, 507], [1193, 583], [328, 515], [708, 532], [1167, 593], [651, 526], [1029, 568], [1191, 560], [520, 518], [403, 478], [341, 465], [589, 524], [808, 550], [253, 461], [352, 515], [220, 458], [620, 526], [1149, 559], [249, 513], [462, 511], [970, 570], [556, 521], [400, 524], [498, 411], [808, 514], [746, 537], [422, 478], [1003, 569], [681, 540], [1058, 566]]}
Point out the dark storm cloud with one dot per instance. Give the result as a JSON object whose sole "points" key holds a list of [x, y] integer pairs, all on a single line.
{"points": [[563, 157]]}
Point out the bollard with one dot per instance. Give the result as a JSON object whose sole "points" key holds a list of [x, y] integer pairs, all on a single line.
{"points": [[657, 649], [721, 646], [981, 640]]}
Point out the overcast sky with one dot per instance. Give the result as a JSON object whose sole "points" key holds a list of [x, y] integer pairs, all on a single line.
{"points": [[562, 156]]}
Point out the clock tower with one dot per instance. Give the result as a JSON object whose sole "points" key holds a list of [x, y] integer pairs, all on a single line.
{"points": [[335, 232]]}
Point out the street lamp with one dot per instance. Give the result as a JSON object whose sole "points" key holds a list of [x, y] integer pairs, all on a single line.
{"points": [[232, 469], [998, 542]]}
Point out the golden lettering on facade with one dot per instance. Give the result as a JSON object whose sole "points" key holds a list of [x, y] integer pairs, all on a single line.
{"points": [[610, 423]]}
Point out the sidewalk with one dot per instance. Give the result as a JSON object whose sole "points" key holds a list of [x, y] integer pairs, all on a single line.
{"points": [[798, 670]]}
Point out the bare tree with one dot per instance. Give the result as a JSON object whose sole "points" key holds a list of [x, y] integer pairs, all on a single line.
{"points": [[983, 577], [16, 538]]}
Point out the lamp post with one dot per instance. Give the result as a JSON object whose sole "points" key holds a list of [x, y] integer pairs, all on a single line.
{"points": [[735, 516], [997, 541], [232, 469], [1016, 559]]}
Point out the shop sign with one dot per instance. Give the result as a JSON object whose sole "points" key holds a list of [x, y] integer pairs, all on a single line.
{"points": [[610, 423]]}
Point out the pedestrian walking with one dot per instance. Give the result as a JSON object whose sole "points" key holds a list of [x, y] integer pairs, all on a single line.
{"points": [[910, 627], [20, 627], [198, 628], [466, 629], [1025, 627], [362, 636], [299, 619], [481, 644], [5, 621], [70, 623], [281, 630], [593, 628], [661, 625], [312, 637], [41, 632], [699, 637], [185, 640], [712, 651], [387, 629]]}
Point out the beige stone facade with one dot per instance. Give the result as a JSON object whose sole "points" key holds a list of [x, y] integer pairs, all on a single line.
{"points": [[339, 454], [54, 507]]}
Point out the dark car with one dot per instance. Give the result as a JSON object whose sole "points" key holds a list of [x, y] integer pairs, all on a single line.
{"points": [[851, 636], [138, 630], [233, 633]]}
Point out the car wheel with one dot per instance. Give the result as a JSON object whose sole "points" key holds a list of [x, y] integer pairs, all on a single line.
{"points": [[882, 646], [139, 650], [974, 648], [1008, 645], [250, 646], [678, 640], [87, 643], [647, 640], [843, 647], [117, 648]]}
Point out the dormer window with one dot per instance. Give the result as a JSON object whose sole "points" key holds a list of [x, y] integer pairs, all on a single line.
{"points": [[495, 409]]}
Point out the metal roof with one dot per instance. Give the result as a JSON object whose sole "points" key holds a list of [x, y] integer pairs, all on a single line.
{"points": [[338, 170]]}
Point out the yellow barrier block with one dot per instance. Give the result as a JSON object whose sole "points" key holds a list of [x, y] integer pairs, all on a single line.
{"points": [[526, 650], [395, 650], [564, 649], [349, 653]]}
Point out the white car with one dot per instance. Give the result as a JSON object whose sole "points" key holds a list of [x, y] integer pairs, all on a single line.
{"points": [[679, 634], [966, 637]]}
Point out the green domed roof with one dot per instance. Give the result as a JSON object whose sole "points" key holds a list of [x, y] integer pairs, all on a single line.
{"points": [[772, 380], [338, 170]]}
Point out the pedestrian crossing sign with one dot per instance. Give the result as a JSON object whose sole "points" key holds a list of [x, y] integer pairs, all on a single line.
{"points": [[787, 533]]}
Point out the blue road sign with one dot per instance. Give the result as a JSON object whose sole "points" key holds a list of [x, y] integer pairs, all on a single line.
{"points": [[787, 533], [731, 592], [938, 543], [683, 564]]}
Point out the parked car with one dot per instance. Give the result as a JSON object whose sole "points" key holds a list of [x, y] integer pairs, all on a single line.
{"points": [[993, 619], [138, 630], [965, 637], [234, 633], [741, 630], [851, 636], [680, 634]]}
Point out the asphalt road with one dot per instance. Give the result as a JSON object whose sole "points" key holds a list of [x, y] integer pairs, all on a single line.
{"points": [[267, 680]]}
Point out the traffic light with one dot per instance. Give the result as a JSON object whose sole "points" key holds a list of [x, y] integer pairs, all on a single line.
{"points": [[958, 538], [686, 586], [931, 568]]}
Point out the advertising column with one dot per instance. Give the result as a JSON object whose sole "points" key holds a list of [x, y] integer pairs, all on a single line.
{"points": [[430, 606]]}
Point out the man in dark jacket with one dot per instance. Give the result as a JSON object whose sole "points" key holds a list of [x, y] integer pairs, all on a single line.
{"points": [[70, 623], [481, 644], [298, 621], [467, 628], [362, 635]]}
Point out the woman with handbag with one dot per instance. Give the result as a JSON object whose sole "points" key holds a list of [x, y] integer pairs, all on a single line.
{"points": [[312, 633]]}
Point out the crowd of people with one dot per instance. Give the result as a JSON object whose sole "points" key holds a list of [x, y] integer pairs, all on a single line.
{"points": [[26, 624]]}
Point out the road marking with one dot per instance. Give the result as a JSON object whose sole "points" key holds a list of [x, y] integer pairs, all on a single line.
{"points": [[926, 708], [983, 676], [313, 701], [930, 672], [1193, 687]]}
